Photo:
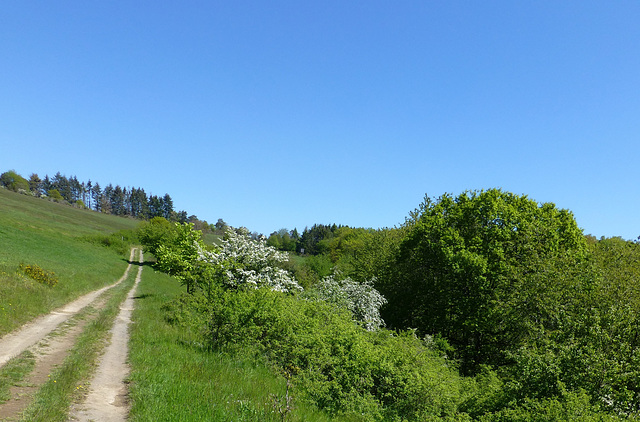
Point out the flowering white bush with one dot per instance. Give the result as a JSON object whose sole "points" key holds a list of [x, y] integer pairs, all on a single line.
{"points": [[244, 261], [361, 299]]}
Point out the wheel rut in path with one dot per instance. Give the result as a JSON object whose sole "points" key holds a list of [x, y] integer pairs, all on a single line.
{"points": [[31, 333], [107, 397], [49, 353]]}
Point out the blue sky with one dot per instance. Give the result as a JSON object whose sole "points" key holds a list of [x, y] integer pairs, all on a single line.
{"points": [[280, 114]]}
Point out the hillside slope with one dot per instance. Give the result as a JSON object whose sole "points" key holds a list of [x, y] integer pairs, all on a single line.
{"points": [[58, 243]]}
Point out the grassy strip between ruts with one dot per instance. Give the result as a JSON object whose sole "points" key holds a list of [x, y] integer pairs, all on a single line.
{"points": [[19, 368], [67, 383], [174, 379], [14, 372]]}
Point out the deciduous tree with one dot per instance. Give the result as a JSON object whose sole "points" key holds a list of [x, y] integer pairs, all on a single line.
{"points": [[462, 266]]}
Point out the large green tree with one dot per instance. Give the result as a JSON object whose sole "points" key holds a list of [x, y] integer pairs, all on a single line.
{"points": [[464, 270]]}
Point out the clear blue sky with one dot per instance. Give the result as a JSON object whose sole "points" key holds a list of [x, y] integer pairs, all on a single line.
{"points": [[273, 114]]}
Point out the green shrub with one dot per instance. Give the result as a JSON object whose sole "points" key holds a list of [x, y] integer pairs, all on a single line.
{"points": [[156, 232], [570, 407], [55, 195], [189, 312], [332, 362]]}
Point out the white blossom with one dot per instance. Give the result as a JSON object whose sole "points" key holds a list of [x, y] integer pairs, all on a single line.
{"points": [[248, 262], [361, 299]]}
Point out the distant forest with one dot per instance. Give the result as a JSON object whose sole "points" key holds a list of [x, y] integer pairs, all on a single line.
{"points": [[116, 200]]}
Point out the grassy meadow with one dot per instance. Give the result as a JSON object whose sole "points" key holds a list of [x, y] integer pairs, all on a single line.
{"points": [[60, 240]]}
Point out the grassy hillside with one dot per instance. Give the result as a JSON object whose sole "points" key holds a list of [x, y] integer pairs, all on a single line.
{"points": [[52, 238]]}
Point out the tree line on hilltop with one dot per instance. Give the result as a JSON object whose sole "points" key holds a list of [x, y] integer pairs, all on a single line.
{"points": [[116, 200]]}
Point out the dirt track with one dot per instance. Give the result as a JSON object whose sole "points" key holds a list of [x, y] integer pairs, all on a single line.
{"points": [[18, 341], [106, 400]]}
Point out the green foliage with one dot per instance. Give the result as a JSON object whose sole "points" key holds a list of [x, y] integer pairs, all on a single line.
{"points": [[55, 195], [568, 408], [283, 240], [364, 253], [38, 274], [13, 181], [178, 253], [156, 232], [189, 312], [333, 362], [618, 264], [320, 265], [463, 263], [308, 270], [314, 241]]}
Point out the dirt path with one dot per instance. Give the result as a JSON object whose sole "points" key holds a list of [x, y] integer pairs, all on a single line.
{"points": [[18, 341], [107, 397], [49, 352]]}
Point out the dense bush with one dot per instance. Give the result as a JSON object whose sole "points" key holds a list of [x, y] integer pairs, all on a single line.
{"points": [[567, 408], [156, 232], [332, 362]]}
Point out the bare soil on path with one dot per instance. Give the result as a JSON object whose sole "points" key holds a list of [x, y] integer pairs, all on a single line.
{"points": [[107, 398], [49, 353]]}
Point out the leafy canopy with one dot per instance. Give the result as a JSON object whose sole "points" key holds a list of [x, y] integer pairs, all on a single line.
{"points": [[463, 262]]}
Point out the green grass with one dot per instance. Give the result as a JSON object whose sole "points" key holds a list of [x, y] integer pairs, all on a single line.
{"points": [[212, 239], [14, 372], [52, 401], [38, 232], [175, 379]]}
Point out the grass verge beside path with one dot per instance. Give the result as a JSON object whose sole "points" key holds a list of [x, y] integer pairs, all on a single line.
{"points": [[174, 379], [68, 382]]}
